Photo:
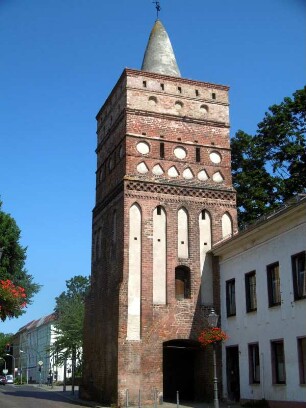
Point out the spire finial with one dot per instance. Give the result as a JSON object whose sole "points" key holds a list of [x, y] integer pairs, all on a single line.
{"points": [[159, 56], [158, 8]]}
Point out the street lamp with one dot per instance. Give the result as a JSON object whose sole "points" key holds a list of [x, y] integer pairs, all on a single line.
{"points": [[21, 351], [14, 365], [213, 322], [1, 358], [40, 364], [1, 252]]}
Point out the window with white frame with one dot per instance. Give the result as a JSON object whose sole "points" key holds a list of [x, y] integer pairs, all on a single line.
{"points": [[273, 278], [250, 291], [299, 275], [254, 363], [278, 362]]}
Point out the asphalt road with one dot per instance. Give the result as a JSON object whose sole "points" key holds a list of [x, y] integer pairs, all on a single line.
{"points": [[25, 396], [34, 396]]}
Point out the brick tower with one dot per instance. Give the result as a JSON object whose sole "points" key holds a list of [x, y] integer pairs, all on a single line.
{"points": [[164, 195]]}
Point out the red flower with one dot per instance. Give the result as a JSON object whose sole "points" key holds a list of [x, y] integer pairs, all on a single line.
{"points": [[12, 299], [212, 335]]}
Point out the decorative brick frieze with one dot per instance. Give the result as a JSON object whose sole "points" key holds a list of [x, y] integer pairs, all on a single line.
{"points": [[181, 191], [163, 199]]}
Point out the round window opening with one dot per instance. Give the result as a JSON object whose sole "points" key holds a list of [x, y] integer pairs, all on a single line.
{"points": [[215, 157], [152, 100], [204, 109], [180, 153], [178, 105], [143, 147]]}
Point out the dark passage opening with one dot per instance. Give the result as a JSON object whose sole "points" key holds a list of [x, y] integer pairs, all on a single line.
{"points": [[232, 373], [179, 358]]}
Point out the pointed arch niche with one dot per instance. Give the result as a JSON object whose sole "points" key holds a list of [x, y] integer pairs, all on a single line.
{"points": [[227, 225], [114, 229], [182, 234], [159, 256], [113, 246], [205, 259], [134, 280]]}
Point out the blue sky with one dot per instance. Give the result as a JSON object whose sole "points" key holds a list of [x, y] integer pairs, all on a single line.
{"points": [[59, 61]]}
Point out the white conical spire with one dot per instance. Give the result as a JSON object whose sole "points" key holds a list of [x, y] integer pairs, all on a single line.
{"points": [[159, 56]]}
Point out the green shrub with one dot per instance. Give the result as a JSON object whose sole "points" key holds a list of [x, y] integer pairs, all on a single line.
{"points": [[256, 404], [18, 381]]}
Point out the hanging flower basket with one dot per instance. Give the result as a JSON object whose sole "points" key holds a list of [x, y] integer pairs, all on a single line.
{"points": [[12, 299], [212, 335]]}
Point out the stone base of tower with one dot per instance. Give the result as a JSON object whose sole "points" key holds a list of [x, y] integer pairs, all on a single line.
{"points": [[168, 359], [177, 368]]}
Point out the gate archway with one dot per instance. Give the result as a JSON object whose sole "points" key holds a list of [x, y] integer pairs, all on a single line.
{"points": [[182, 370]]}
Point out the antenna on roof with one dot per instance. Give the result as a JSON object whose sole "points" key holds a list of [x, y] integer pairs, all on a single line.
{"points": [[158, 8]]}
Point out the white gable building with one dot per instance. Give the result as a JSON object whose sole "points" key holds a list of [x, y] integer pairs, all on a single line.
{"points": [[31, 348]]}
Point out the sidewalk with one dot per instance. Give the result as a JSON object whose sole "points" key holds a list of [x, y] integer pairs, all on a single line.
{"points": [[68, 394]]}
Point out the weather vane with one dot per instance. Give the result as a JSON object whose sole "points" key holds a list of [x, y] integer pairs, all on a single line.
{"points": [[157, 6]]}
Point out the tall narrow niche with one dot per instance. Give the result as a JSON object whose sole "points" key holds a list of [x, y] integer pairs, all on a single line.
{"points": [[205, 259], [159, 256], [182, 234], [134, 282], [227, 226]]}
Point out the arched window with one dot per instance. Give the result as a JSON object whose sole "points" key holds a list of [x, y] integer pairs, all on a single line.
{"points": [[227, 226], [182, 283], [94, 246], [114, 234], [205, 235], [113, 246], [98, 244]]}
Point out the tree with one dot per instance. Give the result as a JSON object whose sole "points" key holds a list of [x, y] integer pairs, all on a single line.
{"points": [[282, 139], [12, 299], [270, 167], [254, 185], [5, 339], [12, 269], [69, 310], [5, 342]]}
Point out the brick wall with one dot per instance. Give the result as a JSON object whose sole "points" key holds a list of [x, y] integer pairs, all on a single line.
{"points": [[152, 108]]}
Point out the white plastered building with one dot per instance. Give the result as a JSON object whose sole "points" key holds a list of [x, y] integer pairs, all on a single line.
{"points": [[31, 348], [263, 309]]}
